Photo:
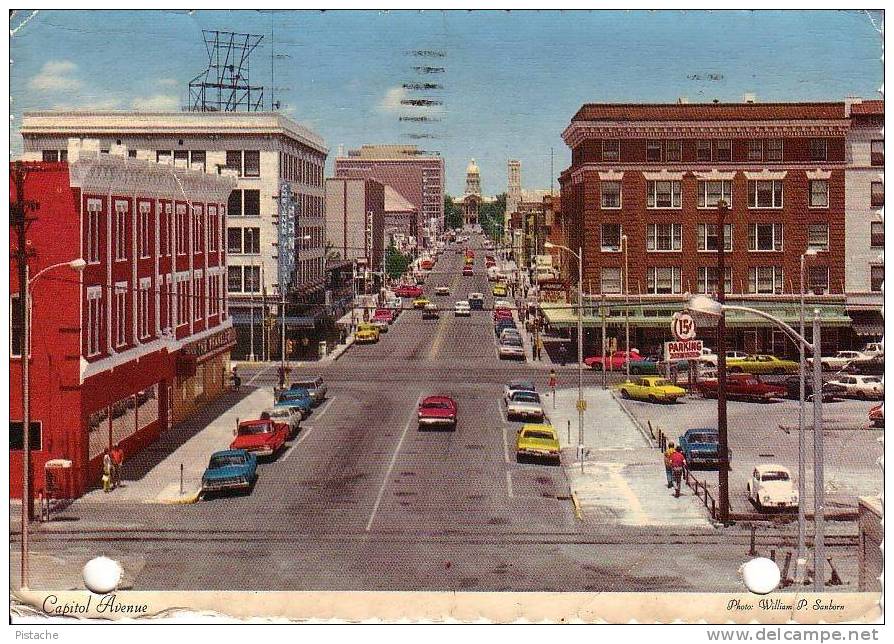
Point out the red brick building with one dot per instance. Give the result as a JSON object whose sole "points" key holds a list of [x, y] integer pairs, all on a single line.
{"points": [[142, 336], [653, 174]]}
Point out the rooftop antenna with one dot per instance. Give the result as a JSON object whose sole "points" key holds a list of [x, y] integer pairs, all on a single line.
{"points": [[224, 86]]}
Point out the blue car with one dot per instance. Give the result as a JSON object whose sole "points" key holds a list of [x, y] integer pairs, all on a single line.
{"points": [[701, 447], [299, 398], [230, 469]]}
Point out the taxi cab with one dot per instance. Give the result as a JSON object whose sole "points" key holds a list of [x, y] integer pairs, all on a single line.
{"points": [[499, 290], [421, 302], [538, 441], [366, 333]]}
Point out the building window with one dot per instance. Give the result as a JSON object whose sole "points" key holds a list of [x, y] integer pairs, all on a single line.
{"points": [[819, 149], [765, 237], [665, 237], [17, 435], [877, 153], [653, 151], [708, 238], [54, 156], [877, 234], [181, 155], [143, 239], [252, 279], [16, 338], [183, 300], [234, 241], [674, 150], [120, 230], [610, 192], [765, 194], [213, 230], [876, 278], [234, 161], [703, 150], [664, 280], [611, 238], [818, 236], [877, 194], [143, 309], [94, 320], [707, 279], [182, 230], [775, 149], [120, 314], [198, 230], [610, 280], [166, 228], [234, 279], [252, 163], [163, 156], [710, 193], [765, 279], [198, 297], [197, 157], [755, 150], [251, 240], [819, 193], [723, 150], [252, 203], [611, 150], [94, 208], [664, 194], [818, 279], [234, 203]]}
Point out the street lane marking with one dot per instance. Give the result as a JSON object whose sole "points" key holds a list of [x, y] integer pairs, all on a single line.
{"points": [[257, 375], [303, 433], [509, 484], [403, 435], [327, 404], [500, 411]]}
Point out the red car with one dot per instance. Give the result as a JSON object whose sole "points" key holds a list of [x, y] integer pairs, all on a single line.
{"points": [[502, 314], [383, 315], [470, 253], [262, 437], [877, 416], [467, 271], [437, 411], [426, 265], [614, 362], [408, 290], [744, 386]]}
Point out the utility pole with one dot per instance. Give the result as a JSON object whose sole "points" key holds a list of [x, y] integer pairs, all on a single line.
{"points": [[819, 492], [723, 471], [602, 315]]}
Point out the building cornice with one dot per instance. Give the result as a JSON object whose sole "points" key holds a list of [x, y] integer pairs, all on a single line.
{"points": [[579, 131], [699, 171]]}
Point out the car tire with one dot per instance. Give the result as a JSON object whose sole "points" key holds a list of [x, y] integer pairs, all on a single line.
{"points": [[735, 369], [596, 366], [625, 395], [779, 371], [635, 371], [652, 399]]}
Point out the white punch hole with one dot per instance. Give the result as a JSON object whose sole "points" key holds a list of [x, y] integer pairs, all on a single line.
{"points": [[102, 575], [761, 575]]}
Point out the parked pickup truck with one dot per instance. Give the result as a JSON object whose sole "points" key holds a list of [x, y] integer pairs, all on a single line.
{"points": [[701, 447], [744, 386], [261, 437], [613, 362]]}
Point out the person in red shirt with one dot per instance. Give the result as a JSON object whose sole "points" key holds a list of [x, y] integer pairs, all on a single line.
{"points": [[677, 462], [117, 455]]}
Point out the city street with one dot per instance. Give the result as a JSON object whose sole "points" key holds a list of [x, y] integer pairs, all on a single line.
{"points": [[362, 500]]}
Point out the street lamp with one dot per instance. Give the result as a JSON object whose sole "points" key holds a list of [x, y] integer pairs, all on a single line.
{"points": [[76, 265], [580, 346], [708, 306], [626, 312]]}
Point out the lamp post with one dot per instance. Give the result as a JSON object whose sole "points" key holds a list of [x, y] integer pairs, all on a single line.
{"points": [[722, 425], [626, 312], [704, 304], [580, 347], [78, 266]]}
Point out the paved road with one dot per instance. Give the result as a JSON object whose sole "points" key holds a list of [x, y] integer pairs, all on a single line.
{"points": [[361, 500]]}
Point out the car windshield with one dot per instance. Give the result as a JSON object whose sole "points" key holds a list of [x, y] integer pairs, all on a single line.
{"points": [[872, 379], [774, 476], [226, 460], [437, 404], [293, 394], [525, 396], [511, 341], [660, 382], [280, 413], [305, 384], [261, 428], [538, 433], [703, 438]]}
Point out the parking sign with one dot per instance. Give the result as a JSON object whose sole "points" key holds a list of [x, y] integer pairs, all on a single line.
{"points": [[683, 327]]}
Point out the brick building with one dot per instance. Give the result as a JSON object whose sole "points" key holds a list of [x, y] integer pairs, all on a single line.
{"points": [[653, 175], [355, 220], [142, 338]]}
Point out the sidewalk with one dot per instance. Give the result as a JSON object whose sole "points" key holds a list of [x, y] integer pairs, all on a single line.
{"points": [[623, 479], [150, 477]]}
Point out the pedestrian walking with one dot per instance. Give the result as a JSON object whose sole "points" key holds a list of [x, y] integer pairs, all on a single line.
{"points": [[106, 472], [539, 344], [678, 462], [117, 455], [563, 353], [281, 374], [237, 381], [668, 465]]}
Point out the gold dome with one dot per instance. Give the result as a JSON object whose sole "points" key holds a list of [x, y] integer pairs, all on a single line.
{"points": [[472, 169]]}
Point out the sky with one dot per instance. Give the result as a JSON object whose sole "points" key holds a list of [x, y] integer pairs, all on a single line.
{"points": [[511, 80]]}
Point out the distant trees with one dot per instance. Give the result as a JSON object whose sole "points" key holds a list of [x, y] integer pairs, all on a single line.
{"points": [[453, 216], [491, 216], [396, 263]]}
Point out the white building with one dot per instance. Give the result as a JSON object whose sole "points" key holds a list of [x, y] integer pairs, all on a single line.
{"points": [[863, 225], [269, 151]]}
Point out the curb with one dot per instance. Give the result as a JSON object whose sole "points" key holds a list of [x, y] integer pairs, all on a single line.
{"points": [[578, 513], [634, 420], [186, 499]]}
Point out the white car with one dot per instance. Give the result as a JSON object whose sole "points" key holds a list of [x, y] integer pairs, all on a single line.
{"points": [[442, 290], [516, 385], [708, 357], [502, 304], [862, 387], [736, 355], [509, 333], [512, 348], [430, 312], [839, 361], [525, 405], [462, 308], [874, 349], [282, 414], [770, 486]]}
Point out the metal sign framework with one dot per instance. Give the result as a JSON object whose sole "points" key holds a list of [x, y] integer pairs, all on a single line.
{"points": [[224, 86]]}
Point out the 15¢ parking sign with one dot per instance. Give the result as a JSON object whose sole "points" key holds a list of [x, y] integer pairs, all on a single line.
{"points": [[683, 326]]}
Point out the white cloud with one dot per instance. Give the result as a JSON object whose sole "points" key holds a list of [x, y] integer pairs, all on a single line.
{"points": [[168, 82], [391, 103], [156, 103], [91, 105], [56, 75]]}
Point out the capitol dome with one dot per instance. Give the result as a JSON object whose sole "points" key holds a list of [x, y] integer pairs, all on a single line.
{"points": [[472, 169]]}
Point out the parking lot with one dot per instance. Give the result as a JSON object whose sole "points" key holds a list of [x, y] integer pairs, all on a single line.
{"points": [[768, 433]]}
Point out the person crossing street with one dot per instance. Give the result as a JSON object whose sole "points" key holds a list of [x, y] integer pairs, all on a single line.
{"points": [[678, 462]]}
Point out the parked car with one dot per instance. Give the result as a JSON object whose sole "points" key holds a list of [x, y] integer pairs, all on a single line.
{"points": [[877, 416], [437, 411], [426, 264], [511, 349], [701, 447], [648, 365], [862, 387], [525, 405], [652, 389], [871, 366], [761, 363], [874, 349], [476, 301], [430, 312], [516, 385], [538, 441], [503, 324], [442, 290], [499, 290], [394, 304], [421, 302], [503, 304], [839, 361], [366, 333], [771, 487], [289, 415], [408, 290], [831, 392], [510, 333], [383, 315], [230, 469], [462, 308], [297, 398], [262, 437], [615, 361], [736, 355], [467, 270], [502, 314], [743, 386]]}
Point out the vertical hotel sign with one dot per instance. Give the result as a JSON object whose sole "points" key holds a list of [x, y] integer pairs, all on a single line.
{"points": [[285, 250]]}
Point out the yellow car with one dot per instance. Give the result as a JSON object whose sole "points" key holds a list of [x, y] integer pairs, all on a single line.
{"points": [[366, 333], [652, 389], [420, 302], [537, 441], [499, 290], [761, 364]]}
